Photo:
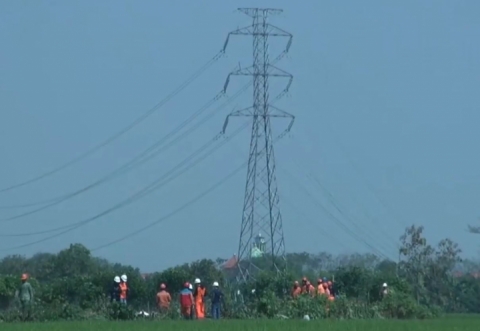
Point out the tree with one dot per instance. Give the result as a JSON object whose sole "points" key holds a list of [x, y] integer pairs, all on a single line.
{"points": [[416, 254]]}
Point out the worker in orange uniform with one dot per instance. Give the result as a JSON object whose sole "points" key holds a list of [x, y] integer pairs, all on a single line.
{"points": [[186, 301], [296, 290], [320, 289], [124, 290], [331, 295], [163, 299], [310, 289], [199, 294], [304, 285], [325, 287]]}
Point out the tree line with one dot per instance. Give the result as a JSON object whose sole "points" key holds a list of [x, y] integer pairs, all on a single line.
{"points": [[427, 280]]}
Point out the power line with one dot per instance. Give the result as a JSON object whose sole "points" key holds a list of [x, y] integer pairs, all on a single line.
{"points": [[353, 234], [155, 185], [123, 131], [176, 211], [186, 205], [385, 234], [331, 198], [125, 168], [137, 161]]}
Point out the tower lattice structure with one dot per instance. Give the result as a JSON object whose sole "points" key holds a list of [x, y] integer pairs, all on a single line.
{"points": [[262, 243]]}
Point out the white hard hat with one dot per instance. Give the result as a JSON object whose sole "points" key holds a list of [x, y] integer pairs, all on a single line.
{"points": [[385, 285], [116, 279], [215, 284], [197, 281], [124, 278], [190, 286]]}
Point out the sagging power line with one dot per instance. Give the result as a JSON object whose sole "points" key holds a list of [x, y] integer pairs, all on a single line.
{"points": [[166, 178], [123, 131]]}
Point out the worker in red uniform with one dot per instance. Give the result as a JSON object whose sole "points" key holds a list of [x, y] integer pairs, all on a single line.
{"points": [[186, 301]]}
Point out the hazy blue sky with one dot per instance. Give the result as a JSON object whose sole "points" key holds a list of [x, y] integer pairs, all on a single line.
{"points": [[387, 119]]}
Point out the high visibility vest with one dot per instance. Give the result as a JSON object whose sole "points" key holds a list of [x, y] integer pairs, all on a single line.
{"points": [[200, 294], [123, 290], [320, 289]]}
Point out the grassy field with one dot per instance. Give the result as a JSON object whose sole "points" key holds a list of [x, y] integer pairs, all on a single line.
{"points": [[465, 323]]}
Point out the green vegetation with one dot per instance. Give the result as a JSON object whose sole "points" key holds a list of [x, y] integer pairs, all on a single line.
{"points": [[73, 286]]}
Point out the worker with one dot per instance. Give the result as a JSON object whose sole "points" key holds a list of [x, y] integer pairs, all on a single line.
{"points": [[308, 288], [320, 289], [124, 290], [296, 290], [199, 295], [325, 287], [304, 285], [192, 311], [332, 290], [26, 295], [385, 290], [217, 300], [115, 291], [186, 301], [163, 299]]}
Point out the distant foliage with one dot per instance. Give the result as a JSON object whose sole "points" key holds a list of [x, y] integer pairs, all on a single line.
{"points": [[74, 285]]}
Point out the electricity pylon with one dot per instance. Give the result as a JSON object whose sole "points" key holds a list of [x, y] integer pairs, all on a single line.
{"points": [[262, 243]]}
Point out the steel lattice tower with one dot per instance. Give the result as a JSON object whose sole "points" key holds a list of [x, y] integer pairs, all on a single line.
{"points": [[262, 244]]}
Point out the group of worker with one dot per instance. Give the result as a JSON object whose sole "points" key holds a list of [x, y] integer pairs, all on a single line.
{"points": [[324, 287], [192, 300], [120, 289]]}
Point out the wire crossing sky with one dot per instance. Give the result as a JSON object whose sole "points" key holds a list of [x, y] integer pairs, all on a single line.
{"points": [[386, 105]]}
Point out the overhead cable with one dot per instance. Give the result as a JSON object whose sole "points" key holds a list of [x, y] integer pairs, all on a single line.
{"points": [[197, 198], [123, 131], [142, 158], [152, 187], [352, 233]]}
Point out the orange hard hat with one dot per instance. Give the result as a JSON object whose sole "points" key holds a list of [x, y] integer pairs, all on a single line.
{"points": [[162, 286], [24, 277]]}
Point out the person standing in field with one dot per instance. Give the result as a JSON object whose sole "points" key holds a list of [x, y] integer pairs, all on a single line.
{"points": [[217, 301], [115, 291], [186, 301], [26, 295], [296, 290], [199, 294], [192, 311], [163, 299], [385, 290], [124, 290], [320, 288]]}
